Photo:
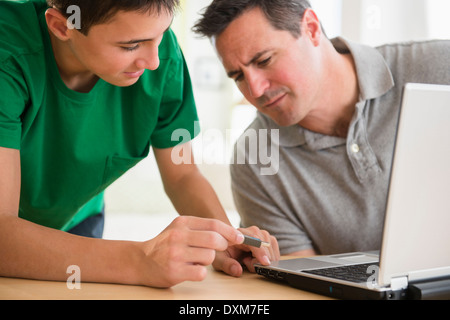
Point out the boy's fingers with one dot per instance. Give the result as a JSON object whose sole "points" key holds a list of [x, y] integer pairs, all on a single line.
{"points": [[232, 235]]}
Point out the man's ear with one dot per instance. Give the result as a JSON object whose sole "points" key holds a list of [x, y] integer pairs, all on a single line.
{"points": [[57, 24], [311, 26]]}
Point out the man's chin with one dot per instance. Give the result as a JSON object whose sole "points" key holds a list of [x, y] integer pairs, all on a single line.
{"points": [[282, 120]]}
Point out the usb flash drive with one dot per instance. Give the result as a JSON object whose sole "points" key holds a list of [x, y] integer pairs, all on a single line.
{"points": [[255, 242]]}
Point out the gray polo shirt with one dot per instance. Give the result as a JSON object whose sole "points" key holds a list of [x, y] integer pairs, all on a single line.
{"points": [[329, 193]]}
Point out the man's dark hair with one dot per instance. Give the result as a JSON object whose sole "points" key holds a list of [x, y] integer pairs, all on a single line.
{"points": [[282, 14], [100, 11]]}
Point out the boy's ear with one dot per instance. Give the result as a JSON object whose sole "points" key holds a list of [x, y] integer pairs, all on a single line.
{"points": [[57, 24]]}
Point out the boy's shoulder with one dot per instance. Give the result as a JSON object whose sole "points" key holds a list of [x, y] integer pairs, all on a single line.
{"points": [[169, 47], [20, 28]]}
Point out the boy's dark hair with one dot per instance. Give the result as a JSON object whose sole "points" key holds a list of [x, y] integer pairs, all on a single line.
{"points": [[282, 14], [100, 11]]}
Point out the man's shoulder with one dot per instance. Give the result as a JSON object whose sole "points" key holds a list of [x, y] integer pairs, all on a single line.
{"points": [[260, 122], [419, 61], [433, 47]]}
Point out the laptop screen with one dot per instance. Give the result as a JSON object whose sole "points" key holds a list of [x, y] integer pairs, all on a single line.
{"points": [[416, 239]]}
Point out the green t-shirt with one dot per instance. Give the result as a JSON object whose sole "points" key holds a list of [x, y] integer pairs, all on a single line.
{"points": [[73, 145]]}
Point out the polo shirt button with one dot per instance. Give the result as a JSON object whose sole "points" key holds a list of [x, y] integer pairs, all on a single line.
{"points": [[355, 148]]}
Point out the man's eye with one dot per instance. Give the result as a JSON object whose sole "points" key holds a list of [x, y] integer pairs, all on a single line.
{"points": [[238, 78], [264, 62]]}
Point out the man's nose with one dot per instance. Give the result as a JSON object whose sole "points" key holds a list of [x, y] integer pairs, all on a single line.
{"points": [[257, 83]]}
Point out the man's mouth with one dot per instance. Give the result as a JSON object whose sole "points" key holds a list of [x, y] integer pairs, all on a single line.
{"points": [[274, 101]]}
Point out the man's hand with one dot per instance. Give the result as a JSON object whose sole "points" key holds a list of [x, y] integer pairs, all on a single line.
{"points": [[231, 260]]}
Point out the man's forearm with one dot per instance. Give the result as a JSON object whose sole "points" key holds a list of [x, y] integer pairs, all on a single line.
{"points": [[31, 251]]}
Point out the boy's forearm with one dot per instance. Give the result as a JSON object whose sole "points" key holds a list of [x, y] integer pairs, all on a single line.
{"points": [[31, 251], [195, 196]]}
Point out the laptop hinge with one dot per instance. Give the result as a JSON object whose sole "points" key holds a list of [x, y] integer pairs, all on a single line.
{"points": [[399, 283]]}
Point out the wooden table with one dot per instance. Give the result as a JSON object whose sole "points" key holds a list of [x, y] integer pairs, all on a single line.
{"points": [[217, 286]]}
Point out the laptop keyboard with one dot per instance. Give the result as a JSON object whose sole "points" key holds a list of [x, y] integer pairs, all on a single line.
{"points": [[354, 273]]}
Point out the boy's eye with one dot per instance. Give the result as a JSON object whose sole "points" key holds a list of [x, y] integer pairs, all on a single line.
{"points": [[130, 48]]}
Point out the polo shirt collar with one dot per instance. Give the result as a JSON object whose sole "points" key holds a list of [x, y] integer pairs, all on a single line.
{"points": [[374, 78]]}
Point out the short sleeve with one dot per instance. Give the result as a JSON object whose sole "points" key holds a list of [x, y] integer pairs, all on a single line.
{"points": [[13, 99], [177, 111]]}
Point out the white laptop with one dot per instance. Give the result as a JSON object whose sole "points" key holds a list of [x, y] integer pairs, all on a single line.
{"points": [[414, 261]]}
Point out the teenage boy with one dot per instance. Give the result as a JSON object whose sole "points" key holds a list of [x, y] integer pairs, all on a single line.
{"points": [[87, 88]]}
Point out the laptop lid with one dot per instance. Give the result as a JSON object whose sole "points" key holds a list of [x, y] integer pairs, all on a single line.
{"points": [[416, 236]]}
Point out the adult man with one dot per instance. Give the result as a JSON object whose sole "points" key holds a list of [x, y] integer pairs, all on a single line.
{"points": [[79, 108], [335, 104]]}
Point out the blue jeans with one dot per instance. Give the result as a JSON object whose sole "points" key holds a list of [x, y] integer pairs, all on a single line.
{"points": [[91, 227]]}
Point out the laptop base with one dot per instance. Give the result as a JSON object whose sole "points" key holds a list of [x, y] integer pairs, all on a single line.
{"points": [[331, 289], [438, 289]]}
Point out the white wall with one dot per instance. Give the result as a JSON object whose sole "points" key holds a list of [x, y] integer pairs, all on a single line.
{"points": [[376, 22], [437, 15]]}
